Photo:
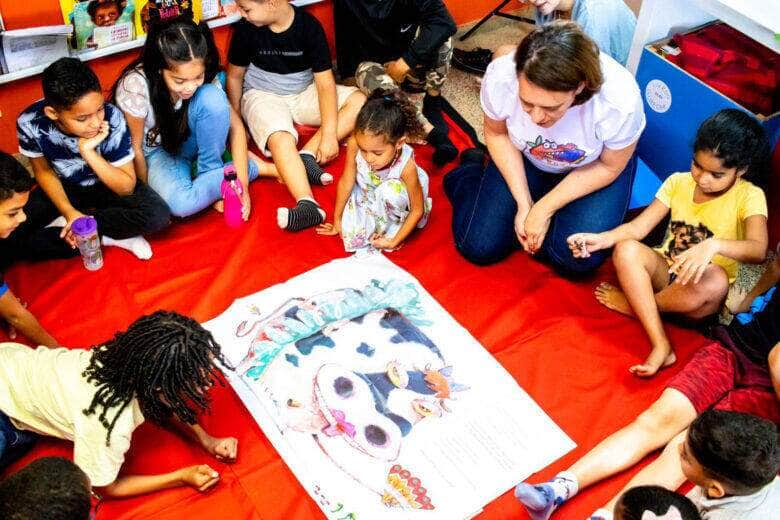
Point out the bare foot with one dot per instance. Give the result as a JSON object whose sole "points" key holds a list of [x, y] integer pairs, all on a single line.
{"points": [[657, 360], [219, 206], [613, 298], [265, 168]]}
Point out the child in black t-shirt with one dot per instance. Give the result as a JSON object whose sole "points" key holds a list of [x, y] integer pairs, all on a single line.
{"points": [[279, 75], [15, 186]]}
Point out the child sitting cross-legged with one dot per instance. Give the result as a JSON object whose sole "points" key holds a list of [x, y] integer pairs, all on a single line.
{"points": [[82, 158], [280, 74], [382, 195], [160, 368], [718, 219]]}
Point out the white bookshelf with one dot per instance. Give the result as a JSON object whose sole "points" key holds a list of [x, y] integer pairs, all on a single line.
{"points": [[126, 46]]}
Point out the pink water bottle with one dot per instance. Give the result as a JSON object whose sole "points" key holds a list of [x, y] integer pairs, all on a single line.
{"points": [[231, 195]]}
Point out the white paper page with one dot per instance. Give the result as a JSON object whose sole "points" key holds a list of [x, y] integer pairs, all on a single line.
{"points": [[378, 401]]}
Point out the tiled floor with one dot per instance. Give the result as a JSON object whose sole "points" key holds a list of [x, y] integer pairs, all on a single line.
{"points": [[462, 89]]}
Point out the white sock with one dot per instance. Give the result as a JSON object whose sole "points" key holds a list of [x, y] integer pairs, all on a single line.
{"points": [[136, 245], [565, 485], [601, 514], [57, 222]]}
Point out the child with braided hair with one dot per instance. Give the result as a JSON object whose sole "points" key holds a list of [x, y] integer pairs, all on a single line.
{"points": [[160, 369], [382, 195]]}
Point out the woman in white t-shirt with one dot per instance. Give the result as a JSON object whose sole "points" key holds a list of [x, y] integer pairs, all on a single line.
{"points": [[561, 125]]}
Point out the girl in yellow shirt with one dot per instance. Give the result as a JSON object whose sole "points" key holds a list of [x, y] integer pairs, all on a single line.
{"points": [[718, 219]]}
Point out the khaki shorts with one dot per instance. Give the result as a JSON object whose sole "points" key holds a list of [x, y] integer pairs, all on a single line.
{"points": [[266, 113]]}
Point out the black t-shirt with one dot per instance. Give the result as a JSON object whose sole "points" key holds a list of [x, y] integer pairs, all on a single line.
{"points": [[301, 47], [757, 338]]}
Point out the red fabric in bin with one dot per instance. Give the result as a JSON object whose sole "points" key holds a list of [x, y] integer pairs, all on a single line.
{"points": [[569, 353], [732, 64]]}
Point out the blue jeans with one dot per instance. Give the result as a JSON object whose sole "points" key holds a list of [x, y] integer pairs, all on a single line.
{"points": [[484, 213], [13, 442], [208, 116]]}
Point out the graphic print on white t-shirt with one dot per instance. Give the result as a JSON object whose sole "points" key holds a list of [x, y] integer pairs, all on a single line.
{"points": [[567, 154], [613, 117]]}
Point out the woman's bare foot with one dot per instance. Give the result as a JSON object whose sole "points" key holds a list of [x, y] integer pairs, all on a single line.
{"points": [[613, 298], [658, 359], [219, 206]]}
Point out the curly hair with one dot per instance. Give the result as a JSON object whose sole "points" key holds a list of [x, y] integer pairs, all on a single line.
{"points": [[92, 7], [559, 57], [66, 81], [390, 113], [165, 360], [13, 177]]}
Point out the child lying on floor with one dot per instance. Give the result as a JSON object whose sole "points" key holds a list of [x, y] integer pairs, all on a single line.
{"points": [[160, 369], [739, 373], [382, 195], [718, 219]]}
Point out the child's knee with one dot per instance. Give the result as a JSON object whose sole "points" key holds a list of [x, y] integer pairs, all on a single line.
{"points": [[210, 98], [626, 251]]}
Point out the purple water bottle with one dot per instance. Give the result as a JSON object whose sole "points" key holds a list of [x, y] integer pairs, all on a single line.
{"points": [[231, 195], [88, 242]]}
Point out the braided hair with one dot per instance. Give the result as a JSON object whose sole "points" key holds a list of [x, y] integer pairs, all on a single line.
{"points": [[165, 360], [390, 113]]}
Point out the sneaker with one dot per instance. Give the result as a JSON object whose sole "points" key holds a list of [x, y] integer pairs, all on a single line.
{"points": [[474, 61]]}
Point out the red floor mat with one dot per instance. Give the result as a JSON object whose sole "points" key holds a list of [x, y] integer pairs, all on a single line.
{"points": [[569, 353]]}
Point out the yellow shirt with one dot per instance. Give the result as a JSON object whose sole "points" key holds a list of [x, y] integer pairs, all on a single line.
{"points": [[722, 217], [42, 390]]}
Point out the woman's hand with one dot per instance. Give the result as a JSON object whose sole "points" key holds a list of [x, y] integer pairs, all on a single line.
{"points": [[691, 264], [200, 477], [328, 229], [520, 216], [536, 225], [583, 244]]}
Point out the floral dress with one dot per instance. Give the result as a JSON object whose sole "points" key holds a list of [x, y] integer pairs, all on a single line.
{"points": [[379, 202]]}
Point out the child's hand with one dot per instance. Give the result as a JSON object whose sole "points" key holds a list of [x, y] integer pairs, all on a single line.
{"points": [[328, 149], [397, 70], [89, 144], [246, 205], [583, 244], [67, 234], [382, 242], [689, 266], [200, 477], [224, 449], [329, 229]]}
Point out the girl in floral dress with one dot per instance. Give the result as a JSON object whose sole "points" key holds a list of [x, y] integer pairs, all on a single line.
{"points": [[382, 195]]}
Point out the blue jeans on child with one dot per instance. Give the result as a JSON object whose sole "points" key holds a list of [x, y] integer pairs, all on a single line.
{"points": [[208, 116], [484, 213], [13, 442]]}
